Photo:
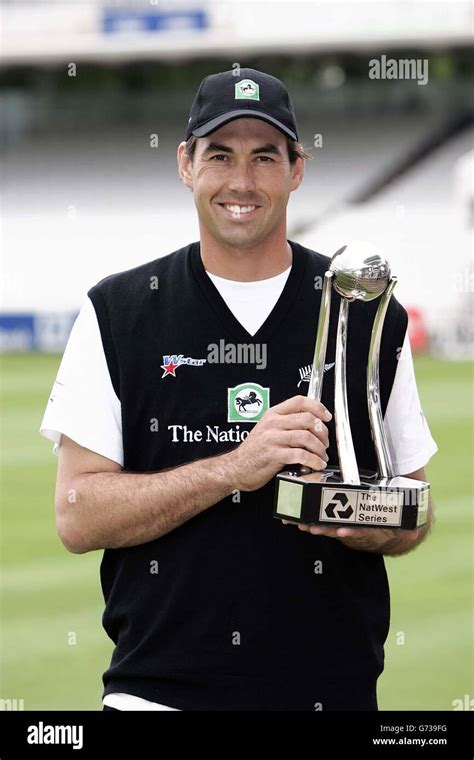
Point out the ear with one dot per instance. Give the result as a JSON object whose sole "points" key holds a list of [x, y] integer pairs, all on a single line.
{"points": [[184, 166], [297, 172]]}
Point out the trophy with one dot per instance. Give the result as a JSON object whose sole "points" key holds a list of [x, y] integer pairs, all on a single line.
{"points": [[344, 496]]}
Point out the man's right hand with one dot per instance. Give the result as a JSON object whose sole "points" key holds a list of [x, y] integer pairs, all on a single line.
{"points": [[292, 432]]}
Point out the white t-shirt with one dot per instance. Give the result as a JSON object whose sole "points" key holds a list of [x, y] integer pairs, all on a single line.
{"points": [[83, 404]]}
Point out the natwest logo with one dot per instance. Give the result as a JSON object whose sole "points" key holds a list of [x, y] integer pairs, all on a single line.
{"points": [[171, 362]]}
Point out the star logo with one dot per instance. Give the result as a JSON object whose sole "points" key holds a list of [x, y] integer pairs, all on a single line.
{"points": [[170, 368], [171, 362]]}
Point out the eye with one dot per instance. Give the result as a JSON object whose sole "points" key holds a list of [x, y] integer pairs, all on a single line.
{"points": [[266, 159], [218, 156]]}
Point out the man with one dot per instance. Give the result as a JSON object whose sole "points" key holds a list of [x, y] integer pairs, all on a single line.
{"points": [[177, 402]]}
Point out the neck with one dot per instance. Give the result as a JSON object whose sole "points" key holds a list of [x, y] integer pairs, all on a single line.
{"points": [[267, 259]]}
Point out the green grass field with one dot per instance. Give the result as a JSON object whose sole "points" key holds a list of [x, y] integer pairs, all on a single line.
{"points": [[53, 647]]}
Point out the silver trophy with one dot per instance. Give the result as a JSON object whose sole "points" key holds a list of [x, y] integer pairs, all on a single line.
{"points": [[345, 496]]}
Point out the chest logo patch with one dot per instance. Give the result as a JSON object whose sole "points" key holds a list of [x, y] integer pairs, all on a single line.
{"points": [[173, 361], [247, 402], [305, 372]]}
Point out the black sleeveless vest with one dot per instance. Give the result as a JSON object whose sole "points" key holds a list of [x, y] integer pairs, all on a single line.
{"points": [[232, 609]]}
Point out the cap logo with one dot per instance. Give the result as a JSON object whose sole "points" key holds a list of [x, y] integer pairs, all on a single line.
{"points": [[246, 89]]}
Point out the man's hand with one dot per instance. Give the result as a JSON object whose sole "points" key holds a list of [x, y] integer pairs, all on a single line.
{"points": [[379, 540], [362, 539], [292, 432]]}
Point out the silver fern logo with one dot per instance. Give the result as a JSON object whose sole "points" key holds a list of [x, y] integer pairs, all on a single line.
{"points": [[305, 372]]}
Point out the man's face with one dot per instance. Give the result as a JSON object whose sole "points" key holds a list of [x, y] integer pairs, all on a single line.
{"points": [[241, 178]]}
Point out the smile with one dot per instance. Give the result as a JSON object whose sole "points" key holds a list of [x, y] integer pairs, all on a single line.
{"points": [[236, 211]]}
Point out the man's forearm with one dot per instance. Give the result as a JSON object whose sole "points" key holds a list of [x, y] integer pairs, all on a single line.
{"points": [[116, 509]]}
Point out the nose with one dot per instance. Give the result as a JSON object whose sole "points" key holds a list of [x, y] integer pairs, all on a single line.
{"points": [[242, 180]]}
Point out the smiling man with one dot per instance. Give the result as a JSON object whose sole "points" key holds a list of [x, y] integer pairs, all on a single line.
{"points": [[213, 604], [242, 178]]}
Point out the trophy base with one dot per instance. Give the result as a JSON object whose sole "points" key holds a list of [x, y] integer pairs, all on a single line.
{"points": [[322, 498]]}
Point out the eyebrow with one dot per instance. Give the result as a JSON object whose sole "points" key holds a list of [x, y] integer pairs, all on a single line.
{"points": [[268, 148]]}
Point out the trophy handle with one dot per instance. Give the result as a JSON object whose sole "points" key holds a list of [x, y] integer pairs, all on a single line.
{"points": [[373, 387], [345, 444], [317, 371], [315, 387]]}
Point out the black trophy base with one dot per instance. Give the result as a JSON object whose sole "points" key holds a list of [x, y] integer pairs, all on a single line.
{"points": [[322, 498]]}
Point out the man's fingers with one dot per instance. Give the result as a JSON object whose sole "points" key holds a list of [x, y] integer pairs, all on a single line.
{"points": [[322, 530], [301, 439], [305, 421], [304, 457], [357, 538], [303, 404]]}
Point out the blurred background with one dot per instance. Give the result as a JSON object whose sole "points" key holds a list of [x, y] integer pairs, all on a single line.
{"points": [[94, 100]]}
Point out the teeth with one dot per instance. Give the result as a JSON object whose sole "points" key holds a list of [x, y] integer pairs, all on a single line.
{"points": [[240, 209]]}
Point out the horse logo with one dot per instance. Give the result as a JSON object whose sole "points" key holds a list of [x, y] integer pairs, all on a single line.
{"points": [[247, 89], [243, 401], [247, 402]]}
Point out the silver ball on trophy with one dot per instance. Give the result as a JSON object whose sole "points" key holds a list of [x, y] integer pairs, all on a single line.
{"points": [[360, 271]]}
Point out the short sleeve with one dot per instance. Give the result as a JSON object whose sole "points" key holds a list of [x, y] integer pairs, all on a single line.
{"points": [[408, 436], [83, 404]]}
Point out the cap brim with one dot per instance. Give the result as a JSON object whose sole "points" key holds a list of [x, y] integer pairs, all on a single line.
{"points": [[219, 121]]}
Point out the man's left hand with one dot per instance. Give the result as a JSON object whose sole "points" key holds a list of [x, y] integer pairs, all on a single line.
{"points": [[362, 539]]}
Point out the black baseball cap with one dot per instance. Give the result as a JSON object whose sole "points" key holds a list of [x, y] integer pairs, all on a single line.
{"points": [[227, 96]]}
